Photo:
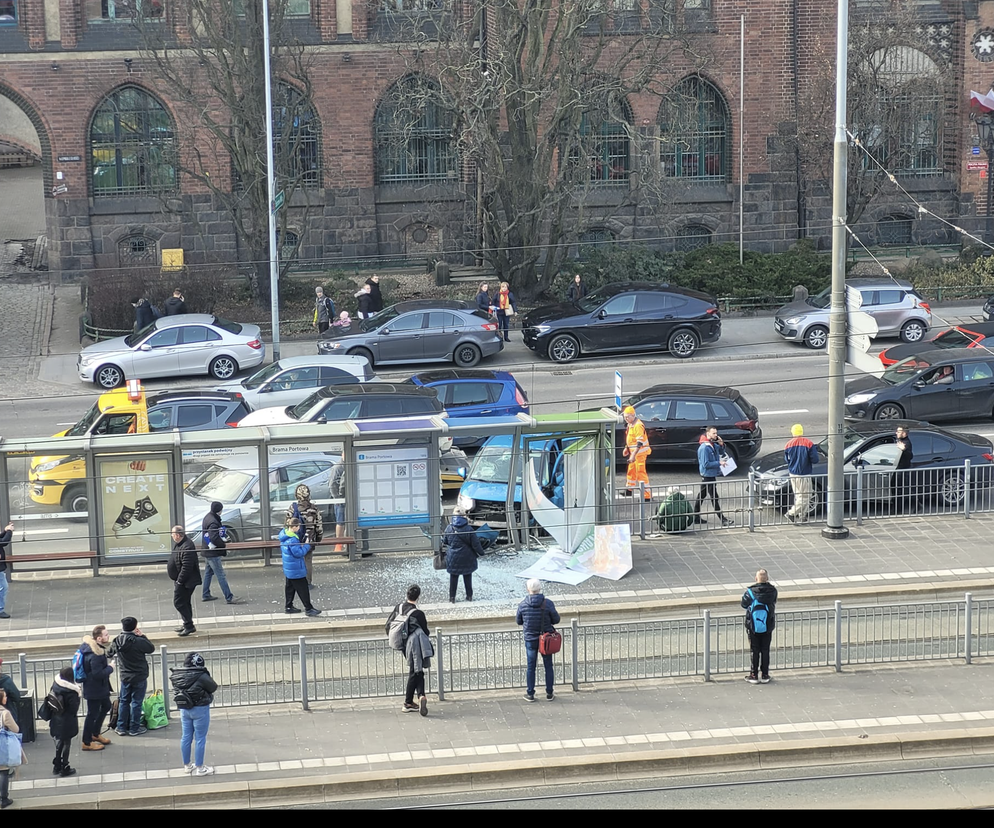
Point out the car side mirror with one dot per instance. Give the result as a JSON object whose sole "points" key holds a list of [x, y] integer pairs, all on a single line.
{"points": [[602, 314], [265, 389], [145, 347], [918, 385], [385, 331], [322, 419]]}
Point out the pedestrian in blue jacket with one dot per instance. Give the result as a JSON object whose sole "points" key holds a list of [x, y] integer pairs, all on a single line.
{"points": [[463, 547], [800, 455], [537, 615], [709, 460], [294, 568]]}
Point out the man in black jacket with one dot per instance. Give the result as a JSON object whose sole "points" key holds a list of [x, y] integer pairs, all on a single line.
{"points": [[131, 648], [184, 569], [759, 602], [5, 538], [214, 550], [175, 304], [902, 488], [96, 687]]}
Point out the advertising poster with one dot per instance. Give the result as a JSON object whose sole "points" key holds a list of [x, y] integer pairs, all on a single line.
{"points": [[611, 556], [134, 505], [393, 486]]}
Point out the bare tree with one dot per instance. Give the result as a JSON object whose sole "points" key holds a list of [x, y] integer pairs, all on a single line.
{"points": [[537, 91], [212, 69], [896, 95]]}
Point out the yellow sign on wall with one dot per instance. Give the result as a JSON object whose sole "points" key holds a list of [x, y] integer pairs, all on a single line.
{"points": [[172, 259]]}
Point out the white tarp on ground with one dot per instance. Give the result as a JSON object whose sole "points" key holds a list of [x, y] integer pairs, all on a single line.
{"points": [[611, 556], [554, 566]]}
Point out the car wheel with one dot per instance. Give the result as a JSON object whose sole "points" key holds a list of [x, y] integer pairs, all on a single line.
{"points": [[816, 336], [564, 348], [223, 367], [951, 488], [889, 411], [74, 499], [913, 331], [684, 343], [363, 352], [466, 355], [108, 376]]}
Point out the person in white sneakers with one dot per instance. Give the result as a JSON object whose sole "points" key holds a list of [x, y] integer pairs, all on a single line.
{"points": [[193, 692]]}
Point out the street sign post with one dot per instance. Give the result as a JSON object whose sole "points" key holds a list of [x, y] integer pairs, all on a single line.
{"points": [[617, 390], [278, 201]]}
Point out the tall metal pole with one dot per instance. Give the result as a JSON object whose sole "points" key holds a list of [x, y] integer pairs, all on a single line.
{"points": [[274, 268], [742, 71], [837, 320]]}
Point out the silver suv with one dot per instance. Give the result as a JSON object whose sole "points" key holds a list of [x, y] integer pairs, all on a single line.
{"points": [[893, 303]]}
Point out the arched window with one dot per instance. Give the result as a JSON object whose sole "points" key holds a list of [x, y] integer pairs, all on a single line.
{"points": [[137, 250], [295, 138], [414, 134], [691, 236], [132, 146], [894, 230], [604, 140], [693, 132]]}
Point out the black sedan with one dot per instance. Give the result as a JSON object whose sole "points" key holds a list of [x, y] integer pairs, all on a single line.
{"points": [[936, 468], [675, 417], [933, 385], [624, 317]]}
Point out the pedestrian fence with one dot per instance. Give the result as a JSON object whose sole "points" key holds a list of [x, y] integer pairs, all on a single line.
{"points": [[870, 492], [307, 671]]}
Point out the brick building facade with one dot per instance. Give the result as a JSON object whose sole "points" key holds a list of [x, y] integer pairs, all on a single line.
{"points": [[70, 65]]}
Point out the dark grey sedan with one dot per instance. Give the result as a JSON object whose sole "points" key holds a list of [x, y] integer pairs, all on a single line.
{"points": [[419, 331]]}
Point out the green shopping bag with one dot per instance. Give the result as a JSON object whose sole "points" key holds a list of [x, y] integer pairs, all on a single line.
{"points": [[154, 711]]}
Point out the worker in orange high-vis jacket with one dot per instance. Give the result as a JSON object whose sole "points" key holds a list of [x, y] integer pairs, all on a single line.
{"points": [[637, 451]]}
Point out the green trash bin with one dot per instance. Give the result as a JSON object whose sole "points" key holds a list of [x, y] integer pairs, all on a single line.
{"points": [[675, 513]]}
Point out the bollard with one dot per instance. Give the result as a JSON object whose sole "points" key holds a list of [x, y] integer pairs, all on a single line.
{"points": [[302, 643], [966, 489], [969, 628], [838, 636], [752, 500], [859, 495], [22, 659], [575, 630], [707, 645], [438, 665], [641, 497], [164, 667]]}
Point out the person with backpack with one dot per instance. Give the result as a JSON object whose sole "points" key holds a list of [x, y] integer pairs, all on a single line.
{"points": [[213, 549], [311, 524], [463, 548], [759, 602], [90, 666], [63, 702], [405, 627], [131, 648], [324, 310], [537, 615], [193, 690]]}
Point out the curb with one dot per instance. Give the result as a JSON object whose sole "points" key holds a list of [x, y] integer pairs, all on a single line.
{"points": [[530, 773], [649, 609]]}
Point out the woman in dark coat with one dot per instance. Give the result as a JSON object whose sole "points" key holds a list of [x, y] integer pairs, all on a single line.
{"points": [[375, 297], [64, 726], [463, 548], [483, 300]]}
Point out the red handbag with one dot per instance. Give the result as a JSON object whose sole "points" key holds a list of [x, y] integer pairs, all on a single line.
{"points": [[550, 643]]}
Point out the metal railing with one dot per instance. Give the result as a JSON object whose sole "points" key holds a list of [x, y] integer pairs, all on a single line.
{"points": [[871, 493], [306, 672]]}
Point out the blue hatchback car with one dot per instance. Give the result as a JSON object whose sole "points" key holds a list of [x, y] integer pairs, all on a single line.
{"points": [[471, 392]]}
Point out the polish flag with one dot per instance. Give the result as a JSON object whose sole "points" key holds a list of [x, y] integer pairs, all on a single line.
{"points": [[982, 103]]}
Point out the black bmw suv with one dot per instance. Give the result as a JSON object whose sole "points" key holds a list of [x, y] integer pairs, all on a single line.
{"points": [[624, 317]]}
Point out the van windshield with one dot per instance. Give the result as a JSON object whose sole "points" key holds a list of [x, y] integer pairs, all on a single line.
{"points": [[492, 465], [86, 423]]}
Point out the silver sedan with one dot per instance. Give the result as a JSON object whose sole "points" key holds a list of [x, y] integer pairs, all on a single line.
{"points": [[190, 343]]}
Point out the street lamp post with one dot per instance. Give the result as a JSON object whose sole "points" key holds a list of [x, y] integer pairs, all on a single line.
{"points": [[985, 131], [274, 268]]}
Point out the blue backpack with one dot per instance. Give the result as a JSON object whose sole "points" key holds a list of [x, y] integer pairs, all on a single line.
{"points": [[758, 615], [78, 666]]}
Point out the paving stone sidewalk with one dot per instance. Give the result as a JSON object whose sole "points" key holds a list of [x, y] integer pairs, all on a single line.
{"points": [[272, 744]]}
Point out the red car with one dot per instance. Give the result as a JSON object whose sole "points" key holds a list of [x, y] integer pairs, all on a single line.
{"points": [[970, 335]]}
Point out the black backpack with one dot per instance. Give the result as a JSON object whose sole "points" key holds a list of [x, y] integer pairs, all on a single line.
{"points": [[51, 706]]}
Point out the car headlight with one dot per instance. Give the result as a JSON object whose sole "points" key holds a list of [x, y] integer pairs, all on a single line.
{"points": [[792, 321], [543, 328], [47, 467], [86, 360], [771, 484], [859, 399], [464, 502]]}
